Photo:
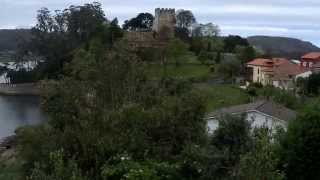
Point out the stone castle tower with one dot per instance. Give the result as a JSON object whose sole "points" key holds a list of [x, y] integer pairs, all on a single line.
{"points": [[163, 30], [164, 18]]}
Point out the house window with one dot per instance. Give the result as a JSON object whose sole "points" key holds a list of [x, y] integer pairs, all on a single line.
{"points": [[258, 71]]}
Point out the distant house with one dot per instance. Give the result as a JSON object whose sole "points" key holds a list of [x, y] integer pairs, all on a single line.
{"points": [[262, 70], [278, 72], [204, 30], [287, 73], [310, 59], [260, 114], [316, 68]]}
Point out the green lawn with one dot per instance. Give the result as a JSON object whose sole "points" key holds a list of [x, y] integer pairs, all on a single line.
{"points": [[189, 68], [11, 171], [6, 56], [219, 96], [183, 71], [191, 59]]}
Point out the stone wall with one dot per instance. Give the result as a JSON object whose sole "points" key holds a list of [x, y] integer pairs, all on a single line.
{"points": [[144, 40], [162, 31]]}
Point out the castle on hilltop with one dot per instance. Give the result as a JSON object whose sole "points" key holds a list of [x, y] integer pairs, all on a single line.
{"points": [[163, 29], [164, 18]]}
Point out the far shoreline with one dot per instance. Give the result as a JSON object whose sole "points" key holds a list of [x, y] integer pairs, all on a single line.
{"points": [[25, 89]]}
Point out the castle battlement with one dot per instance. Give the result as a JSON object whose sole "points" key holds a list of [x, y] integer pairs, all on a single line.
{"points": [[171, 11]]}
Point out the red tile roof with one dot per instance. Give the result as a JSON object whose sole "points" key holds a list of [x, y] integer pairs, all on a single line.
{"points": [[267, 62], [312, 55], [287, 69], [260, 62]]}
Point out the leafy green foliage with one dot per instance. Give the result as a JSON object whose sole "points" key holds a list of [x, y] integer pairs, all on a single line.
{"points": [[11, 168], [208, 58], [229, 67], [143, 22], [229, 141], [59, 168], [57, 35], [313, 84], [289, 99], [231, 42], [106, 106], [239, 152], [262, 160], [203, 57], [176, 50], [123, 167], [183, 34], [245, 54], [185, 19], [206, 44], [300, 146]]}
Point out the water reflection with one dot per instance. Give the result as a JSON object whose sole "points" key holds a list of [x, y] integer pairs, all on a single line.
{"points": [[17, 111]]}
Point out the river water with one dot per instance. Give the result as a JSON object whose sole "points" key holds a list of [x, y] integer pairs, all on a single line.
{"points": [[17, 111]]}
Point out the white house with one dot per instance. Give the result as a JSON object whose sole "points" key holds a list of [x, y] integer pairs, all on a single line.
{"points": [[204, 30], [260, 114]]}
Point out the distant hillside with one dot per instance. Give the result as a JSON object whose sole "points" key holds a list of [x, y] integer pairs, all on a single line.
{"points": [[9, 38], [282, 46]]}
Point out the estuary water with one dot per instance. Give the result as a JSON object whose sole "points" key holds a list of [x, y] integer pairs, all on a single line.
{"points": [[17, 111]]}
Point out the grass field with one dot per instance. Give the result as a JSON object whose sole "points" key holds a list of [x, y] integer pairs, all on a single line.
{"points": [[183, 71], [190, 68], [11, 169], [6, 56], [219, 96]]}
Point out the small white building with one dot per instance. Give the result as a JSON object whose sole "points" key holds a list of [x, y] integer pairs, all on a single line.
{"points": [[259, 114], [204, 30]]}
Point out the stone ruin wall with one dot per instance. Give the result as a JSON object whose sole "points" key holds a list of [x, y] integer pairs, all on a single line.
{"points": [[164, 18]]}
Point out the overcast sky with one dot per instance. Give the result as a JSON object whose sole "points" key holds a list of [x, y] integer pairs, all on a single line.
{"points": [[292, 18]]}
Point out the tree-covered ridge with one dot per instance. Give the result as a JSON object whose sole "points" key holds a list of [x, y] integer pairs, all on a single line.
{"points": [[10, 38], [282, 46]]}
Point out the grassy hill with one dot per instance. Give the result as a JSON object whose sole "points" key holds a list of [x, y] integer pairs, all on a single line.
{"points": [[6, 56], [9, 41], [10, 38], [282, 46]]}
